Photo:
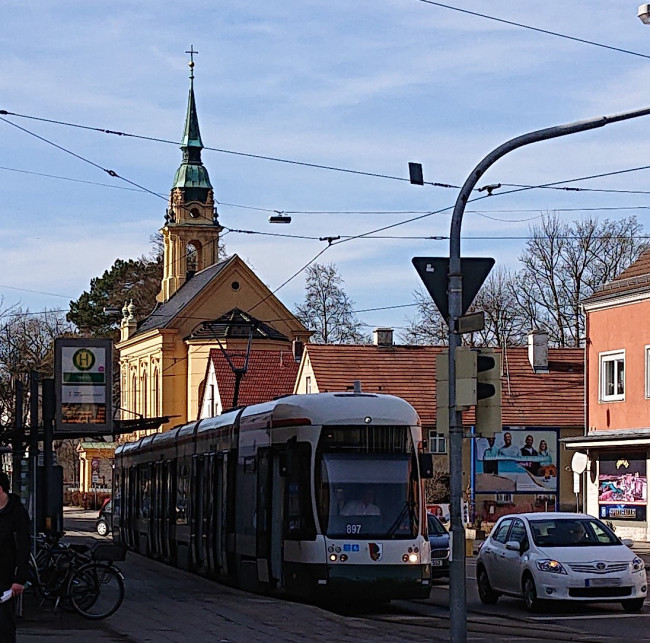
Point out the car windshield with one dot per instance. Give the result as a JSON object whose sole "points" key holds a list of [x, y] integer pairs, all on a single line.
{"points": [[571, 532], [436, 528]]}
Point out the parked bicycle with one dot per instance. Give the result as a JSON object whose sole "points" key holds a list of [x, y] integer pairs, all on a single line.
{"points": [[77, 577]]}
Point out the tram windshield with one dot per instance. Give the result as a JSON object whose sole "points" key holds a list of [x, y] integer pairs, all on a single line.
{"points": [[370, 496]]}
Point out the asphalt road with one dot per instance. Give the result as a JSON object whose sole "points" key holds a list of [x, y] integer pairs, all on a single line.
{"points": [[166, 604]]}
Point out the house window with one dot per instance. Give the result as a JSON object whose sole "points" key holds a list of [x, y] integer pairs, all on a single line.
{"points": [[307, 384], [437, 442], [612, 376]]}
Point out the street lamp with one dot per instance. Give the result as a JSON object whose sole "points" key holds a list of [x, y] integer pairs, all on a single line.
{"points": [[644, 13], [457, 592]]}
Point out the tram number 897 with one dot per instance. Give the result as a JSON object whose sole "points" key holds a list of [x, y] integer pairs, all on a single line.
{"points": [[353, 529]]}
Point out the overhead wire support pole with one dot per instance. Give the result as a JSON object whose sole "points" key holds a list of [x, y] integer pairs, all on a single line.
{"points": [[457, 589]]}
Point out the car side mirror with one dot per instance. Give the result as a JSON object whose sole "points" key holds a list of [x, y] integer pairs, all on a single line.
{"points": [[513, 545], [628, 542]]}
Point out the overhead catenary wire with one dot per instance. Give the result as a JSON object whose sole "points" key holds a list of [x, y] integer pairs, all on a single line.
{"points": [[548, 32]]}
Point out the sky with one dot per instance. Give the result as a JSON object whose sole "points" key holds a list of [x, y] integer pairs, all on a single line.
{"points": [[366, 86]]}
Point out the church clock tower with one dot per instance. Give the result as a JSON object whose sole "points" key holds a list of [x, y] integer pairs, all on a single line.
{"points": [[191, 230]]}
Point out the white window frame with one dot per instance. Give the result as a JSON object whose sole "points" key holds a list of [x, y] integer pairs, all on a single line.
{"points": [[437, 442], [611, 357], [647, 371]]}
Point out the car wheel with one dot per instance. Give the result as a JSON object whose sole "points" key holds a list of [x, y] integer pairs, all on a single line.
{"points": [[102, 528], [485, 592], [530, 594], [633, 605]]}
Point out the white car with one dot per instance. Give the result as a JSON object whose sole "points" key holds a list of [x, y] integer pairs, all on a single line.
{"points": [[559, 556]]}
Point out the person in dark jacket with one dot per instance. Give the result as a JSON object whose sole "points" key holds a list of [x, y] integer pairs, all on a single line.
{"points": [[14, 556]]}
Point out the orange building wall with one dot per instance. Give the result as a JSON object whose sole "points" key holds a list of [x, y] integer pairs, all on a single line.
{"points": [[622, 328]]}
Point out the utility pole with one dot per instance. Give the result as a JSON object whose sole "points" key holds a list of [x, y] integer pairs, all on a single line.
{"points": [[457, 589]]}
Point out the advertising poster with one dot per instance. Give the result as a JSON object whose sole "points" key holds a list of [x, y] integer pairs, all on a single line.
{"points": [[623, 487], [517, 461]]}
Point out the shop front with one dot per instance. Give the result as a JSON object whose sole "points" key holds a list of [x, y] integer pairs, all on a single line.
{"points": [[616, 479]]}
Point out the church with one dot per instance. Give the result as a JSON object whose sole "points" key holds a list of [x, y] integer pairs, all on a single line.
{"points": [[214, 317]]}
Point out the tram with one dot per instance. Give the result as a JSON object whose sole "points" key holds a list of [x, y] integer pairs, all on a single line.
{"points": [[312, 496]]}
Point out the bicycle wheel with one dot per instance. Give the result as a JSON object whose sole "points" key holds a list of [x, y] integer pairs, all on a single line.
{"points": [[96, 590]]}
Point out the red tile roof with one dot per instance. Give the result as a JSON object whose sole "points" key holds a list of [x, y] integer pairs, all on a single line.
{"points": [[270, 374], [553, 399], [635, 278]]}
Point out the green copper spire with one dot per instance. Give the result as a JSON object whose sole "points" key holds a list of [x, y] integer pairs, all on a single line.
{"points": [[191, 175]]}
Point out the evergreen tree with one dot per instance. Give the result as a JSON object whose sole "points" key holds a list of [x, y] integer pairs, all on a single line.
{"points": [[136, 279]]}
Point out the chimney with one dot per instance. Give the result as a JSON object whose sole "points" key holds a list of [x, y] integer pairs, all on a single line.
{"points": [[538, 350], [382, 337]]}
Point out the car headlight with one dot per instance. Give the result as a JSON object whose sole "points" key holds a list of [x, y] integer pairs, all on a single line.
{"points": [[638, 564], [551, 566]]}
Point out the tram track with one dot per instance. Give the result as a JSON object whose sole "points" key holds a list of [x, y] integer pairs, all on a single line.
{"points": [[480, 626]]}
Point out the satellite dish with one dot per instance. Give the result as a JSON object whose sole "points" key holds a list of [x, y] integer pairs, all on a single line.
{"points": [[579, 462]]}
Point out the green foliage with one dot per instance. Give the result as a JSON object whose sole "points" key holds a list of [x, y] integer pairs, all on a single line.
{"points": [[135, 279]]}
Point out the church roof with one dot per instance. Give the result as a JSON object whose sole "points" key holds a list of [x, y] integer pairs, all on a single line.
{"points": [[164, 314], [236, 324]]}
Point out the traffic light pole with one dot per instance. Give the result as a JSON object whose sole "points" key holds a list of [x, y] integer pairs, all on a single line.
{"points": [[457, 589]]}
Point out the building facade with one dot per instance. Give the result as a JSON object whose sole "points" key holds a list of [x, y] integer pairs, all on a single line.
{"points": [[617, 440]]}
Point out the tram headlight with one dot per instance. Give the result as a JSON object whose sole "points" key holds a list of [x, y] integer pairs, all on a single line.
{"points": [[333, 557], [413, 558]]}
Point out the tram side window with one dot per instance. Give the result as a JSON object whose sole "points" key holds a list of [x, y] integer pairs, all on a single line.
{"points": [[299, 516], [182, 494], [145, 491]]}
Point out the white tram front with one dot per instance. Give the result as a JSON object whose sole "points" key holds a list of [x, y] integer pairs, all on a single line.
{"points": [[315, 496]]}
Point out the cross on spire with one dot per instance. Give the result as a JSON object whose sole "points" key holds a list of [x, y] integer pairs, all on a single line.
{"points": [[191, 52]]}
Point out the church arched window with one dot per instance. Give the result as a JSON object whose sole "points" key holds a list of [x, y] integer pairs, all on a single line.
{"points": [[156, 411], [145, 390]]}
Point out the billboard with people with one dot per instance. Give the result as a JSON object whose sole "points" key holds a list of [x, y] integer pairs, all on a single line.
{"points": [[517, 461]]}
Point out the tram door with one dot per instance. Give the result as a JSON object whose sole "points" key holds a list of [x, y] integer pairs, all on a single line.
{"points": [[219, 510], [196, 533], [164, 510], [270, 488], [154, 516]]}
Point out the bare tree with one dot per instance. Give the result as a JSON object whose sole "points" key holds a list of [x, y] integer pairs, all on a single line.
{"points": [[564, 263], [504, 326], [26, 344], [427, 327], [327, 309]]}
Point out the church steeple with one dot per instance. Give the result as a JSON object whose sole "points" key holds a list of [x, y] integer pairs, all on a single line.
{"points": [[191, 176], [191, 230]]}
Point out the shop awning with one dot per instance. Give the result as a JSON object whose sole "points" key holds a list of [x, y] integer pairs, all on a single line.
{"points": [[607, 439]]}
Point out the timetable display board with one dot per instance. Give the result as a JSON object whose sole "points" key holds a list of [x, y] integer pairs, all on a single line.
{"points": [[83, 378]]}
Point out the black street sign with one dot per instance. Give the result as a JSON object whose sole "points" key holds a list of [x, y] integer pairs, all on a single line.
{"points": [[434, 272]]}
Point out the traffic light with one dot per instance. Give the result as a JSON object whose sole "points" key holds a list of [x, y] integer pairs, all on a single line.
{"points": [[488, 392], [466, 384]]}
